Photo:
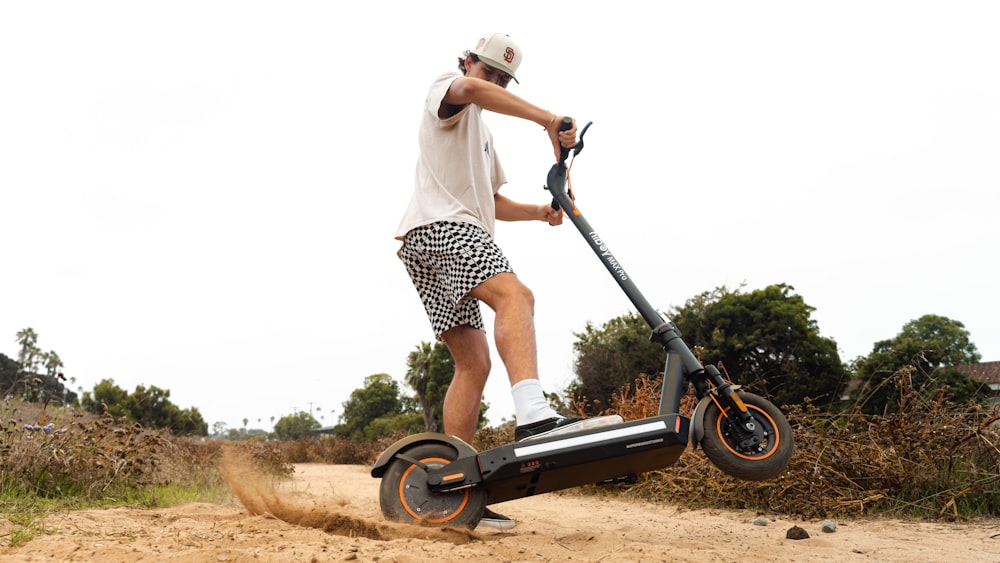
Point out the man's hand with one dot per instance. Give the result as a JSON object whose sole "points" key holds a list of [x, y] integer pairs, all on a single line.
{"points": [[561, 139], [552, 216]]}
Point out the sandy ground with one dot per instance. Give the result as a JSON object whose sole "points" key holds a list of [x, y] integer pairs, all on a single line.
{"points": [[330, 513]]}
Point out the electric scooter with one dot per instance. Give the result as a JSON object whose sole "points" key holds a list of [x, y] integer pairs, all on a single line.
{"points": [[436, 479]]}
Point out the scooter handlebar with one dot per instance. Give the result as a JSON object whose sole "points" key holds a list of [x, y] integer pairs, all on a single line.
{"points": [[566, 125]]}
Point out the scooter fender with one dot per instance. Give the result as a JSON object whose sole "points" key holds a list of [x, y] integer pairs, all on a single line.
{"points": [[697, 428], [383, 460]]}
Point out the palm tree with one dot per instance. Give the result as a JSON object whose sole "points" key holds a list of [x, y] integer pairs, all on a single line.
{"points": [[52, 363], [28, 355], [418, 375]]}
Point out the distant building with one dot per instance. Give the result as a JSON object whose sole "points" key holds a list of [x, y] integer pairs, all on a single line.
{"points": [[987, 373]]}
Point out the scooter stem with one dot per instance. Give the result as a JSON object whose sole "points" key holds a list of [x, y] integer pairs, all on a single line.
{"points": [[680, 360]]}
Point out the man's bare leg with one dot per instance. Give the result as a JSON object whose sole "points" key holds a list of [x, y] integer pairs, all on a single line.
{"points": [[471, 352], [514, 326]]}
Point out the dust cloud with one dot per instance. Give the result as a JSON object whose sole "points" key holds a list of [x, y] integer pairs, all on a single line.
{"points": [[258, 495]]}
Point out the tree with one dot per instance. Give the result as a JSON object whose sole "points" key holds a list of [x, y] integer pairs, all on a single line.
{"points": [[378, 398], [28, 354], [933, 345], [150, 407], [418, 375], [9, 375], [377, 410], [612, 356], [52, 363], [107, 398], [765, 340], [190, 422], [219, 429], [430, 369], [295, 426], [24, 378]]}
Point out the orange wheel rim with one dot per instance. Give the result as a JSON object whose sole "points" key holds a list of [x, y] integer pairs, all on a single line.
{"points": [[402, 497]]}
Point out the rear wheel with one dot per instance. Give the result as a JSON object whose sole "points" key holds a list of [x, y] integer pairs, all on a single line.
{"points": [[764, 454], [405, 497]]}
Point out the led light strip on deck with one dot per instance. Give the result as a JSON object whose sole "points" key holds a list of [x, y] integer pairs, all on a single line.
{"points": [[584, 439]]}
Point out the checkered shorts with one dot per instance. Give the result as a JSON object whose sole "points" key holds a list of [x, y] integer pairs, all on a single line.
{"points": [[446, 260]]}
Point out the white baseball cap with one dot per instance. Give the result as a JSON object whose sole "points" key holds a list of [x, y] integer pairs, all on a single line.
{"points": [[498, 51]]}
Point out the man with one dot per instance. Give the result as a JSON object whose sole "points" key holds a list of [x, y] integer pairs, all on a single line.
{"points": [[449, 251]]}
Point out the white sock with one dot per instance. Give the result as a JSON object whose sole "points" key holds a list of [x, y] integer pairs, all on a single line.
{"points": [[530, 404]]}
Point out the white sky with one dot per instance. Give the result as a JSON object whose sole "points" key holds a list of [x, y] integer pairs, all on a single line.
{"points": [[202, 195]]}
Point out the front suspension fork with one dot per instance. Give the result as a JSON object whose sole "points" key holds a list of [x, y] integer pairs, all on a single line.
{"points": [[743, 427], [682, 367]]}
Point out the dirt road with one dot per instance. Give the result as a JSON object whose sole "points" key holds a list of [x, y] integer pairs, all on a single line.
{"points": [[330, 513]]}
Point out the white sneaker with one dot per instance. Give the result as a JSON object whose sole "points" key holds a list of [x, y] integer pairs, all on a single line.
{"points": [[491, 519]]}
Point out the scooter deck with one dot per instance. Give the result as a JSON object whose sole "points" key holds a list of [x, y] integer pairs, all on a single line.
{"points": [[544, 465]]}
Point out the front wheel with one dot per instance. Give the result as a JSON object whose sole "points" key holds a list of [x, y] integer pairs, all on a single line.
{"points": [[764, 457], [405, 497]]}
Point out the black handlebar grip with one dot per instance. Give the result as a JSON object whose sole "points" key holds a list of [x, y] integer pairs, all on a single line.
{"points": [[566, 125]]}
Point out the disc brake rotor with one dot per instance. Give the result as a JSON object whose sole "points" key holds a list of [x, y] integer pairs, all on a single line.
{"points": [[424, 504]]}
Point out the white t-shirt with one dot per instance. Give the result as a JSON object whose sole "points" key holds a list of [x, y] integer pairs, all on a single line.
{"points": [[458, 172]]}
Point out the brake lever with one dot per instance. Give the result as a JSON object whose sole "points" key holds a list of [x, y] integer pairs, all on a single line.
{"points": [[576, 149], [579, 144]]}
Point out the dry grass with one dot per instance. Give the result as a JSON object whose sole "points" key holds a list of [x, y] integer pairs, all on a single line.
{"points": [[335, 450], [67, 452], [928, 460], [64, 456]]}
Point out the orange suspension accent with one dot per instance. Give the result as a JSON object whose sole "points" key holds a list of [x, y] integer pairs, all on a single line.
{"points": [[739, 402], [717, 403]]}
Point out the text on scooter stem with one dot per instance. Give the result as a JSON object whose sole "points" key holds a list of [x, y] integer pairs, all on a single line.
{"points": [[608, 256]]}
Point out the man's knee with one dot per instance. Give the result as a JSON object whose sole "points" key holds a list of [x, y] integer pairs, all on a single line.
{"points": [[525, 295], [503, 288], [469, 350], [474, 366]]}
